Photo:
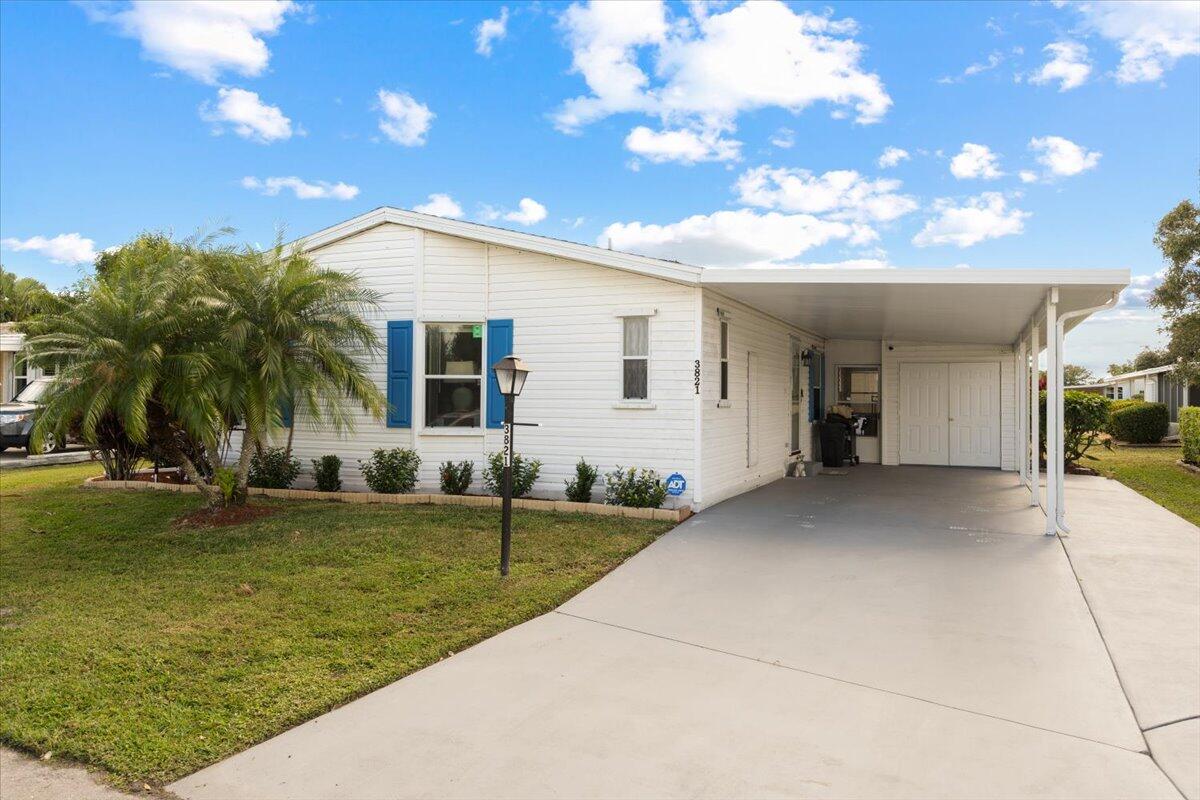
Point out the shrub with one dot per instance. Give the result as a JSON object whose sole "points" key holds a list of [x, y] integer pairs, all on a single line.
{"points": [[634, 488], [327, 472], [1117, 405], [580, 489], [456, 478], [1085, 417], [391, 471], [1140, 423], [1189, 433], [524, 474], [273, 468]]}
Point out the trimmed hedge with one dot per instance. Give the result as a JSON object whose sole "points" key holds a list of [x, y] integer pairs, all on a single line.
{"points": [[1189, 433], [1140, 423]]}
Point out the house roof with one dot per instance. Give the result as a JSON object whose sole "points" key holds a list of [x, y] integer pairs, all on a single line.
{"points": [[1141, 373], [982, 306]]}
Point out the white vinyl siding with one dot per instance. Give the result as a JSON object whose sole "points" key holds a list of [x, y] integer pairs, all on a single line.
{"points": [[566, 325], [896, 353], [728, 443]]}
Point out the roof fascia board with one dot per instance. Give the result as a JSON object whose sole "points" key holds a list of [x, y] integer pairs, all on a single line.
{"points": [[992, 277]]}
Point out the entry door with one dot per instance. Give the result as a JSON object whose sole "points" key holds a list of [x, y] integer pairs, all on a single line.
{"points": [[975, 415], [924, 420]]}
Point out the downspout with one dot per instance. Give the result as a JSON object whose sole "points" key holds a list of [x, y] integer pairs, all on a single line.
{"points": [[1060, 335]]}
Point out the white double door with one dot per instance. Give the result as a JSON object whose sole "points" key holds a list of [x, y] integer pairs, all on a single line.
{"points": [[950, 414]]}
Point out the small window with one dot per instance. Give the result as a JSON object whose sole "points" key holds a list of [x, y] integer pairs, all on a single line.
{"points": [[724, 360], [453, 375], [635, 358], [21, 376]]}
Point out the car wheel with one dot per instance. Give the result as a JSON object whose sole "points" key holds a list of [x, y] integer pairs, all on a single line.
{"points": [[49, 444]]}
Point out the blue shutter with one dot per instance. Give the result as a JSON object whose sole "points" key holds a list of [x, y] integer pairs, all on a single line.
{"points": [[399, 373], [499, 345], [816, 381], [285, 412]]}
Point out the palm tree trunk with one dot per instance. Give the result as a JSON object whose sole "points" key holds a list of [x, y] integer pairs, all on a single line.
{"points": [[287, 451], [211, 493], [243, 467]]}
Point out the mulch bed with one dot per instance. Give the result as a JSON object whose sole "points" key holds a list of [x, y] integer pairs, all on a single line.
{"points": [[223, 517], [164, 476]]}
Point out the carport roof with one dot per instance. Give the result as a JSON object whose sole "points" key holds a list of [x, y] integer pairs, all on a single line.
{"points": [[978, 306]]}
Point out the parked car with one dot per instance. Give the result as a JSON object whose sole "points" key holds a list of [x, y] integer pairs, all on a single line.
{"points": [[17, 418]]}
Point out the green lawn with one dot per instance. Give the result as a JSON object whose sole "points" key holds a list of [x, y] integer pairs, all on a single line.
{"points": [[150, 649], [1153, 471]]}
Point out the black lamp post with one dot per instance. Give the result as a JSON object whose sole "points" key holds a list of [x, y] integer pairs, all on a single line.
{"points": [[510, 377]]}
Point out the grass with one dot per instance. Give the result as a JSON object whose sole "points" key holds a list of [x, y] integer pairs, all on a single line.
{"points": [[1153, 472], [150, 649]]}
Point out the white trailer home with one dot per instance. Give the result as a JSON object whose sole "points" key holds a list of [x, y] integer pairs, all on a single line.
{"points": [[717, 374]]}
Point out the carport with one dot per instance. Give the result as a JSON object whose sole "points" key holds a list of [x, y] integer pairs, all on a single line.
{"points": [[960, 353]]}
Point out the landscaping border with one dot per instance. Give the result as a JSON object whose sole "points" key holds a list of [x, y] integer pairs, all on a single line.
{"points": [[480, 501]]}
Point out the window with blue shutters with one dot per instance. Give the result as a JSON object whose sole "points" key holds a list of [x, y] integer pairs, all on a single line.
{"points": [[499, 345], [399, 373]]}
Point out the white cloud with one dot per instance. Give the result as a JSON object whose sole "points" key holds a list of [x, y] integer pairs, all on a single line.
{"points": [[200, 37], [66, 248], [1027, 176], [440, 205], [1068, 65], [711, 67], [984, 217], [491, 30], [892, 156], [975, 161], [529, 212], [405, 121], [740, 238], [1062, 157], [994, 59], [783, 138], [303, 190], [249, 116], [683, 146], [1151, 35], [838, 194]]}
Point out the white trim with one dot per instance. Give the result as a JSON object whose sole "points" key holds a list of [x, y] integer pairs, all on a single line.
{"points": [[478, 432], [965, 277], [644, 405], [729, 404], [644, 311], [698, 397]]}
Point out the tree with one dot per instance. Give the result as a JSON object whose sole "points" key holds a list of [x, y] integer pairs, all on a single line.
{"points": [[1075, 375], [1178, 236], [1145, 359], [180, 346], [24, 298], [295, 337]]}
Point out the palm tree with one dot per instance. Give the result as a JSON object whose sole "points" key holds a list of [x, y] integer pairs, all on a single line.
{"points": [[136, 365], [294, 335]]}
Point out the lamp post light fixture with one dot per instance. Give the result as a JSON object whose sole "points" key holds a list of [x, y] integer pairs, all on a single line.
{"points": [[510, 378]]}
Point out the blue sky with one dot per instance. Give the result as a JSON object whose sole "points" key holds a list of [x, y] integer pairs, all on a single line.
{"points": [[1033, 134]]}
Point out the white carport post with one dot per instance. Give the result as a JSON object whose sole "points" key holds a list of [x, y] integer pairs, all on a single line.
{"points": [[1054, 436], [1035, 488], [1022, 398]]}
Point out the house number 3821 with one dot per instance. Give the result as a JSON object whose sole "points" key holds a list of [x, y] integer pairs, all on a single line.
{"points": [[697, 373]]}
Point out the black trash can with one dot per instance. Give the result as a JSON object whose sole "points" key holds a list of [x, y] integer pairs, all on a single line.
{"points": [[833, 444]]}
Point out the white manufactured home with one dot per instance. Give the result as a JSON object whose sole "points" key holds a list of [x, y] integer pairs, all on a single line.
{"points": [[715, 374]]}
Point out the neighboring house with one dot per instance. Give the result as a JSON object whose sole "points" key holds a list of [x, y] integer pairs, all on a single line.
{"points": [[14, 373], [1154, 385], [714, 373]]}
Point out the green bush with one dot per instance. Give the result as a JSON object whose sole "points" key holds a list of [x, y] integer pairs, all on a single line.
{"points": [[1140, 423], [1189, 433], [456, 478], [391, 471], [273, 468], [1085, 416], [1117, 405], [580, 489], [524, 474], [327, 472], [636, 488]]}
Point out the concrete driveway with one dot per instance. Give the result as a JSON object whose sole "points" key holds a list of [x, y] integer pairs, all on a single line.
{"points": [[902, 632]]}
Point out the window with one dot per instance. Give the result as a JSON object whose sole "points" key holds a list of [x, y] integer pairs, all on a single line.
{"points": [[1120, 392], [21, 376], [453, 375], [724, 360], [635, 359]]}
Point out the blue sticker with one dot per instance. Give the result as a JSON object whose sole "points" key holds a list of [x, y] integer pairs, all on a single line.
{"points": [[676, 484]]}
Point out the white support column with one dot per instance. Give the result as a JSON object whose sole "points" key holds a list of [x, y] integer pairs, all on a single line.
{"points": [[1060, 466], [1022, 364], [1053, 427], [1035, 488]]}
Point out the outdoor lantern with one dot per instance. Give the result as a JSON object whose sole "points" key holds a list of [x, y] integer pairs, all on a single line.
{"points": [[510, 375], [510, 379]]}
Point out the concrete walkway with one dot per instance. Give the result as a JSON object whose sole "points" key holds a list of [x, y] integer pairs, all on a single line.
{"points": [[891, 633], [25, 778]]}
